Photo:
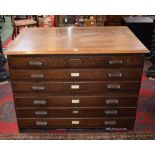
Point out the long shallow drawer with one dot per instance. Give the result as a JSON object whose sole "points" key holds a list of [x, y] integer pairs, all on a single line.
{"points": [[127, 122], [75, 112], [76, 87], [74, 61], [77, 74], [76, 101]]}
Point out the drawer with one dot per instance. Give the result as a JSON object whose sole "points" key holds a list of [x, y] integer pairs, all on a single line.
{"points": [[76, 101], [127, 122], [77, 75], [74, 112], [74, 61], [76, 87]]}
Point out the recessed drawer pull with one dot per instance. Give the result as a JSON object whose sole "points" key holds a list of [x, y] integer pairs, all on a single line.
{"points": [[75, 86], [111, 101], [75, 101], [110, 122], [115, 62], [114, 86], [75, 74], [41, 113], [35, 63], [37, 76], [108, 112], [38, 88], [114, 75], [39, 102], [75, 122], [75, 61], [41, 123], [75, 111]]}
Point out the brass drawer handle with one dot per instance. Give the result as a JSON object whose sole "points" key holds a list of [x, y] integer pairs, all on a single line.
{"points": [[38, 88], [37, 76], [75, 86], [41, 123], [75, 111], [75, 74], [75, 122], [39, 102], [74, 61], [113, 86], [115, 75], [75, 101], [41, 113], [110, 122], [109, 112], [35, 63], [112, 101], [115, 62]]}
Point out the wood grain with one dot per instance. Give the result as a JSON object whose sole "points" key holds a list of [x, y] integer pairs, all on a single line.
{"points": [[69, 101], [88, 40]]}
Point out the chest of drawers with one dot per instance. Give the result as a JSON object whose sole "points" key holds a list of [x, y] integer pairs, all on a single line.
{"points": [[76, 77]]}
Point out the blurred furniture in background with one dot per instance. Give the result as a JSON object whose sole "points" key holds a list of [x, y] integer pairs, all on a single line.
{"points": [[142, 27], [114, 20], [80, 20], [90, 21], [100, 20], [23, 21], [2, 18], [151, 71], [3, 74]]}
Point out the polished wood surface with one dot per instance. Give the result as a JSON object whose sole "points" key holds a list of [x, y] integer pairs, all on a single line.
{"points": [[99, 122], [74, 88], [75, 112], [75, 61], [75, 101], [91, 40], [77, 75]]}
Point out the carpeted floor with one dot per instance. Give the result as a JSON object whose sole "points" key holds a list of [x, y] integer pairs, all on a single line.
{"points": [[80, 136]]}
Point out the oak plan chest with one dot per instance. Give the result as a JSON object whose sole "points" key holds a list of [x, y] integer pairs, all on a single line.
{"points": [[76, 77]]}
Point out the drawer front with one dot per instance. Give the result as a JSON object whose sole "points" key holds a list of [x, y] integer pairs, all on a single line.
{"points": [[75, 112], [76, 87], [76, 101], [127, 122], [74, 61], [77, 75]]}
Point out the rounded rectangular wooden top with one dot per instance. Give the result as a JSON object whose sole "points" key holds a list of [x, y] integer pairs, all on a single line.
{"points": [[76, 40]]}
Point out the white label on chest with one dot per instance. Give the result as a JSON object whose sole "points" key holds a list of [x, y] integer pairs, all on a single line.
{"points": [[75, 122], [75, 111], [75, 74], [75, 101], [75, 86]]}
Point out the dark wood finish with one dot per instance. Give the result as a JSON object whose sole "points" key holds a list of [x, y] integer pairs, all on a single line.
{"points": [[75, 112], [77, 75], [76, 78], [75, 101], [60, 88], [63, 61], [124, 122]]}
